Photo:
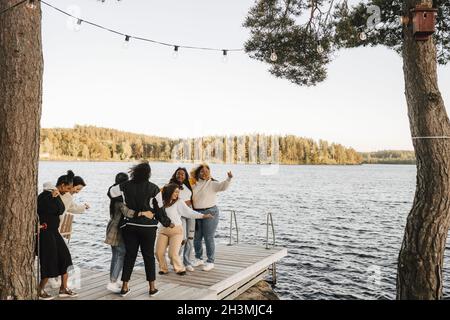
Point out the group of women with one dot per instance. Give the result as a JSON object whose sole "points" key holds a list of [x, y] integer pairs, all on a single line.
{"points": [[175, 219]]}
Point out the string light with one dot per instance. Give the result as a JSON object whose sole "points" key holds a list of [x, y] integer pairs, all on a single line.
{"points": [[77, 26], [31, 4], [273, 56], [175, 52], [126, 43], [363, 36], [224, 56], [320, 49]]}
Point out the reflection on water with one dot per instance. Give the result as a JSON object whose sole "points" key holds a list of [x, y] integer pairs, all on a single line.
{"points": [[342, 225]]}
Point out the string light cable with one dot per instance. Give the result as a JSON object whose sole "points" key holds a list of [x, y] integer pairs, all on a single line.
{"points": [[13, 6], [32, 4]]}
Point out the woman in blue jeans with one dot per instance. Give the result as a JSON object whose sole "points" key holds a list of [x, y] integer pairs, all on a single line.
{"points": [[204, 200], [114, 237]]}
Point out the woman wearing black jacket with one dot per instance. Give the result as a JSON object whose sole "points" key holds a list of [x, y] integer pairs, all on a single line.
{"points": [[54, 256], [139, 228]]}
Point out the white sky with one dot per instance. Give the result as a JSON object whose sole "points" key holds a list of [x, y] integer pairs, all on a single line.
{"points": [[90, 79]]}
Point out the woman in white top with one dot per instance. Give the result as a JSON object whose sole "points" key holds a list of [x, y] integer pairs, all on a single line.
{"points": [[204, 200], [175, 208], [181, 177], [71, 206]]}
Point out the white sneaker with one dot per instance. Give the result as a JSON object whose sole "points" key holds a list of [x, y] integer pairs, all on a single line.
{"points": [[208, 267], [190, 268], [113, 287], [197, 263]]}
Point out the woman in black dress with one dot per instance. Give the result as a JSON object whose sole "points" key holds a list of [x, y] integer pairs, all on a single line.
{"points": [[53, 252]]}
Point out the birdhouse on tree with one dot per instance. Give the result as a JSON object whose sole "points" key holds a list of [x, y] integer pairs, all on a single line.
{"points": [[424, 22]]}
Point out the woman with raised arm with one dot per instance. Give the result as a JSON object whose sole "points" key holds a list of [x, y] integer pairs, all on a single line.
{"points": [[204, 200]]}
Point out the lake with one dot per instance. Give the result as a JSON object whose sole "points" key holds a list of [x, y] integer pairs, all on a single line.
{"points": [[343, 225]]}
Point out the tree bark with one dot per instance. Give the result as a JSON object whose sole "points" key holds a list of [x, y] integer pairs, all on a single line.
{"points": [[21, 67], [421, 257]]}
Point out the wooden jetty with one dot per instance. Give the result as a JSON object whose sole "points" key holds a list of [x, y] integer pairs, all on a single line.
{"points": [[238, 267]]}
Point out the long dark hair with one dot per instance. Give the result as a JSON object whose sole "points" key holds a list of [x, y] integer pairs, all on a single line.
{"points": [[121, 177], [186, 179], [141, 172], [78, 181], [66, 179], [167, 193]]}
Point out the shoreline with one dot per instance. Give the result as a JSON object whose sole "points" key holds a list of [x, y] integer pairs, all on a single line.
{"points": [[196, 162]]}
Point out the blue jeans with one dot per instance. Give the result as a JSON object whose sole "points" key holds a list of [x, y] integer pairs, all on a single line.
{"points": [[118, 257], [206, 229], [188, 224]]}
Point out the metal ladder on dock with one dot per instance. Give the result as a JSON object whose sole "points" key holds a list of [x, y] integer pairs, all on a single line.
{"points": [[269, 218]]}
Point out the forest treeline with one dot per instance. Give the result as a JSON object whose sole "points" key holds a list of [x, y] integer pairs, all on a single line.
{"points": [[389, 157], [94, 143]]}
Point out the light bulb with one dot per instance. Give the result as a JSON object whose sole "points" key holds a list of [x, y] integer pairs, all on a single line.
{"points": [[273, 56], [175, 52], [363, 36], [320, 49], [225, 56], [126, 43], [77, 26], [31, 4]]}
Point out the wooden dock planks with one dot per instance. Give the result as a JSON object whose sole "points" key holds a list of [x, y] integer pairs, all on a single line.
{"points": [[237, 268]]}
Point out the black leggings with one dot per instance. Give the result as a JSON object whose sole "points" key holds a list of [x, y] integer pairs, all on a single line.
{"points": [[135, 237]]}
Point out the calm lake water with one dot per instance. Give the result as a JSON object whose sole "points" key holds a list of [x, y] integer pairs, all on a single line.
{"points": [[343, 225]]}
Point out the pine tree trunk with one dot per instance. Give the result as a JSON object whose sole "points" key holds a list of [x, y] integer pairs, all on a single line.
{"points": [[21, 66], [421, 257]]}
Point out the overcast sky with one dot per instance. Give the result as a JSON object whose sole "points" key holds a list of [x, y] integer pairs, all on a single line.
{"points": [[90, 78]]}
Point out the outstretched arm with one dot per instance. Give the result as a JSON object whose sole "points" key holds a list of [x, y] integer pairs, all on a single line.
{"points": [[77, 208], [222, 186], [188, 212]]}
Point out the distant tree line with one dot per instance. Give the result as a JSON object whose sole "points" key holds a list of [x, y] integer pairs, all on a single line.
{"points": [[93, 143], [389, 157]]}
